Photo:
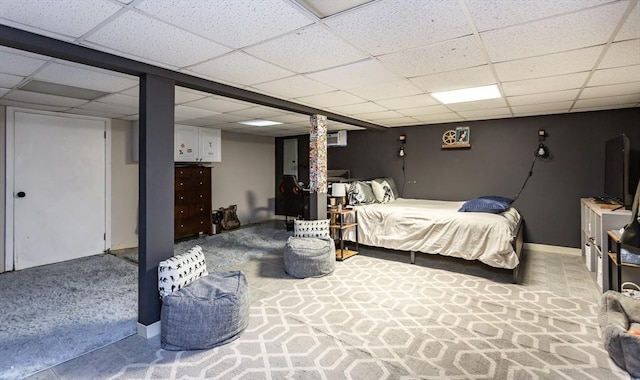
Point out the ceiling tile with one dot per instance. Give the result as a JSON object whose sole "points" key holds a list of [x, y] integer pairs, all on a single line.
{"points": [[406, 102], [548, 65], [623, 53], [240, 68], [144, 37], [615, 75], [19, 64], [9, 80], [292, 51], [355, 109], [454, 80], [479, 104], [492, 14], [258, 112], [218, 104], [439, 118], [380, 116], [539, 109], [399, 121], [109, 108], [541, 37], [33, 106], [611, 90], [631, 28], [355, 75], [59, 18], [184, 95], [539, 85], [121, 100], [94, 79], [421, 111], [610, 102], [45, 99], [444, 56], [219, 20], [186, 113], [488, 113], [291, 118], [95, 112], [330, 99], [223, 118], [546, 97], [385, 27], [294, 87], [3, 91], [389, 90]]}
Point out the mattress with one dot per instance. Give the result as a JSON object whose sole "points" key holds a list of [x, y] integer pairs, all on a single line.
{"points": [[436, 227]]}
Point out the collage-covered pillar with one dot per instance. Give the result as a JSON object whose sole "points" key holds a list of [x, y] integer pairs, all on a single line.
{"points": [[318, 167]]}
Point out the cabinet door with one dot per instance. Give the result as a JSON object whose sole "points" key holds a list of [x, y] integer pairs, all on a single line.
{"points": [[210, 145], [186, 144]]}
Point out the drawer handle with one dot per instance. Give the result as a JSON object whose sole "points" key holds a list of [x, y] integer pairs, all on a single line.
{"points": [[181, 198], [201, 208], [182, 211], [200, 171], [181, 184], [200, 195], [201, 222], [182, 226], [201, 182]]}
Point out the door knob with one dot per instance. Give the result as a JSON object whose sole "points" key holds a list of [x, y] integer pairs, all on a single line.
{"points": [[21, 194]]}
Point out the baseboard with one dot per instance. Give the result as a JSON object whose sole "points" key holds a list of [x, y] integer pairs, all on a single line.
{"points": [[150, 331], [552, 249]]}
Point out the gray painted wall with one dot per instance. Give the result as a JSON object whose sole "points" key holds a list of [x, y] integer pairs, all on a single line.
{"points": [[2, 184], [498, 162]]}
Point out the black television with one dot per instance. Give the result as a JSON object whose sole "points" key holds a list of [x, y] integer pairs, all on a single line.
{"points": [[616, 170]]}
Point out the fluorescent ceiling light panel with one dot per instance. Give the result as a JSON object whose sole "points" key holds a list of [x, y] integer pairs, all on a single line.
{"points": [[259, 123], [468, 94]]}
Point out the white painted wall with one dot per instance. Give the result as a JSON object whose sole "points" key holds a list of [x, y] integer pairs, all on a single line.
{"points": [[246, 176], [3, 129], [124, 187]]}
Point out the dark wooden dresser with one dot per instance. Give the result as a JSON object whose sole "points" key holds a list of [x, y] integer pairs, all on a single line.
{"points": [[192, 214]]}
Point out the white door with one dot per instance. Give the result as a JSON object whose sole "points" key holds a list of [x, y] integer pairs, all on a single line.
{"points": [[59, 188]]}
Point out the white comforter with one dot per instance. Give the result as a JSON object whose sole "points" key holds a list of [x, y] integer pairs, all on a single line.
{"points": [[437, 227]]}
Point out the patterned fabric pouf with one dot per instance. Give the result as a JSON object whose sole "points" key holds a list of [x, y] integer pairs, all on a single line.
{"points": [[309, 257], [209, 312]]}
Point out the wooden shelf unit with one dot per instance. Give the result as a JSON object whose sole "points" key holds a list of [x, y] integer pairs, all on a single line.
{"points": [[339, 225], [596, 220]]}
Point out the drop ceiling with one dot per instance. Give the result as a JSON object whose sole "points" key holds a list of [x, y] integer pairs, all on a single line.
{"points": [[377, 61]]}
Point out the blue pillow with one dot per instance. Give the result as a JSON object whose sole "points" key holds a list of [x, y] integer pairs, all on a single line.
{"points": [[492, 204]]}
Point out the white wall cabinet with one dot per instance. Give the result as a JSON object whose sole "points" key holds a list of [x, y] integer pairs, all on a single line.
{"points": [[195, 144], [596, 221]]}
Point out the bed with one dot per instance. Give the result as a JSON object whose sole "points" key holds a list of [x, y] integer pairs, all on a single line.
{"points": [[436, 227]]}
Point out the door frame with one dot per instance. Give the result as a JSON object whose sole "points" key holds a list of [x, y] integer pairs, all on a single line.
{"points": [[9, 254]]}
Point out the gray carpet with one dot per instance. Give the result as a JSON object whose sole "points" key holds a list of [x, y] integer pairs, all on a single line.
{"points": [[54, 313], [230, 248], [376, 318]]}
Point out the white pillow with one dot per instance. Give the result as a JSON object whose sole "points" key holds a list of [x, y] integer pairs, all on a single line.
{"points": [[181, 270], [382, 191], [311, 228]]}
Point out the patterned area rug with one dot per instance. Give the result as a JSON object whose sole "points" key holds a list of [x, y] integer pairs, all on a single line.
{"points": [[57, 312], [381, 319]]}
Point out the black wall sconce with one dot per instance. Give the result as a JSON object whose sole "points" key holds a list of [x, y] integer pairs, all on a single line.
{"points": [[542, 150], [403, 140]]}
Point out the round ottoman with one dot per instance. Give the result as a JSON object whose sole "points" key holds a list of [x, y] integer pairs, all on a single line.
{"points": [[309, 257], [209, 312]]}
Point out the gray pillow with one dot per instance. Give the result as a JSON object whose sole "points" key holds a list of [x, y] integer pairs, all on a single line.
{"points": [[360, 193]]}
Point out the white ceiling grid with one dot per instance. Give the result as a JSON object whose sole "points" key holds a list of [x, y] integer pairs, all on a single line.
{"points": [[378, 61]]}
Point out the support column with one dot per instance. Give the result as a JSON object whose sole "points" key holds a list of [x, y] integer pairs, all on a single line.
{"points": [[318, 167], [156, 194]]}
